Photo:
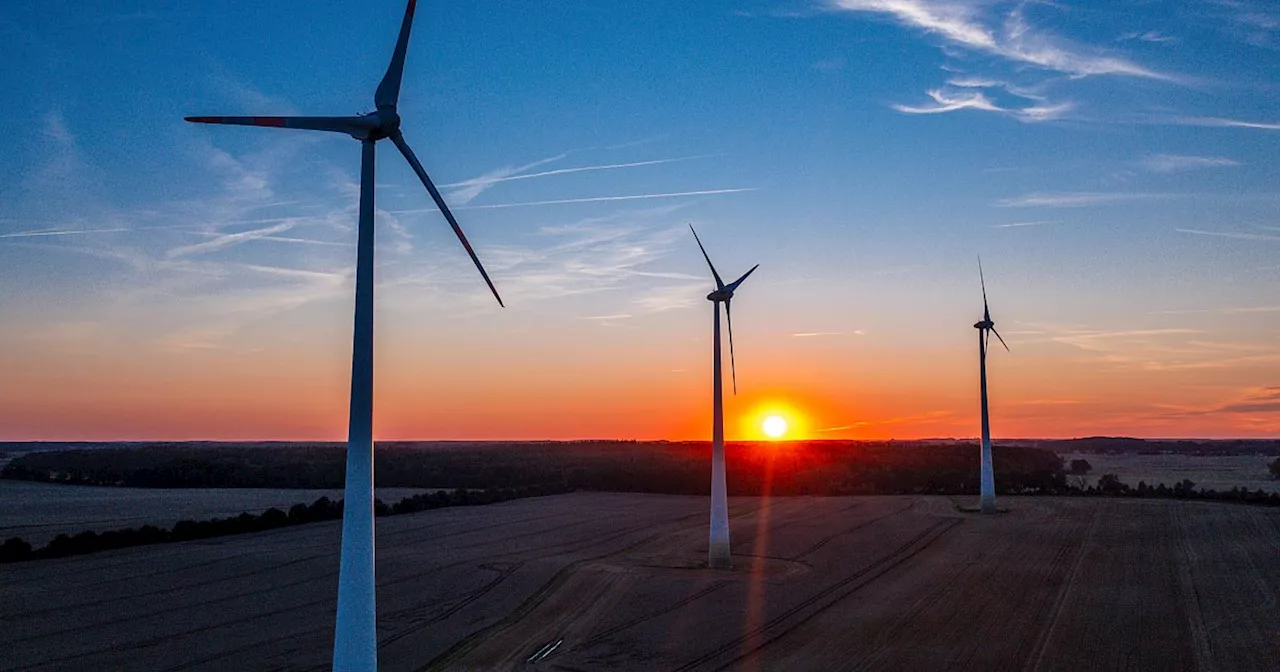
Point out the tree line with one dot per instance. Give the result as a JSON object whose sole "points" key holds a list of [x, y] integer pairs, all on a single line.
{"points": [[790, 468], [16, 549]]}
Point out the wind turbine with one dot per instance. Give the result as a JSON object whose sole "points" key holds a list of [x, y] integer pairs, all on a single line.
{"points": [[987, 498], [718, 550], [355, 645]]}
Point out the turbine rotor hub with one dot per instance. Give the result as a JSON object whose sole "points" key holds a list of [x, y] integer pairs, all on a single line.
{"points": [[381, 123], [720, 295]]}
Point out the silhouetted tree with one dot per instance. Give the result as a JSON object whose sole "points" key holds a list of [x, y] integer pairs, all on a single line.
{"points": [[1109, 484], [1275, 469], [14, 549], [1080, 467]]}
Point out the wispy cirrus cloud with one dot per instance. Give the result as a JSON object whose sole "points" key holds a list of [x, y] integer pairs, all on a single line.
{"points": [[61, 232], [950, 100], [1222, 122], [925, 418], [603, 199], [1074, 199], [1015, 225], [1237, 235], [1263, 400], [1151, 36], [1176, 163], [623, 249], [815, 334], [1248, 401], [1000, 29]]}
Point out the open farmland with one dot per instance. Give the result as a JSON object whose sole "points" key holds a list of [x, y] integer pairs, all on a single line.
{"points": [[39, 512], [1210, 472], [596, 581]]}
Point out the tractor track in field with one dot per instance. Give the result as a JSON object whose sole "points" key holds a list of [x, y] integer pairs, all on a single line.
{"points": [[831, 594]]}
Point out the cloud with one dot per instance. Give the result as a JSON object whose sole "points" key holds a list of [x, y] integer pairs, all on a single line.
{"points": [[1022, 224], [1221, 122], [1174, 163], [469, 189], [598, 199], [1131, 333], [226, 240], [1073, 199], [830, 65], [1231, 234], [974, 82], [949, 100], [1253, 22], [1152, 36], [961, 23], [1251, 401], [674, 297], [61, 232], [812, 334], [617, 251], [1224, 311], [918, 418]]}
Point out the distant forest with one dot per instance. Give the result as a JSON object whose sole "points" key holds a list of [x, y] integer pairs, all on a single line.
{"points": [[483, 473], [785, 468]]}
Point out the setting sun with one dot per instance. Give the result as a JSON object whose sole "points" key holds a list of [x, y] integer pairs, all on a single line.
{"points": [[774, 426]]}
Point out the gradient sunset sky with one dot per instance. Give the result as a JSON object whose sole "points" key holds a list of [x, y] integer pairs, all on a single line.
{"points": [[1115, 164]]}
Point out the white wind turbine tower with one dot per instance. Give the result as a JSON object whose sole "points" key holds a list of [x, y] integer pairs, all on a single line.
{"points": [[718, 550], [355, 644], [987, 498]]}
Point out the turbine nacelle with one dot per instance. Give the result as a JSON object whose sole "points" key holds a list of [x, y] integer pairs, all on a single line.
{"points": [[720, 295], [986, 325], [383, 122]]}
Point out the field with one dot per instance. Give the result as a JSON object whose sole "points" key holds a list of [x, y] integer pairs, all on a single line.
{"points": [[1216, 472], [39, 512], [612, 581]]}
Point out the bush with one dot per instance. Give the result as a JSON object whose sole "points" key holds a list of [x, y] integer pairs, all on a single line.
{"points": [[14, 549], [1080, 467]]}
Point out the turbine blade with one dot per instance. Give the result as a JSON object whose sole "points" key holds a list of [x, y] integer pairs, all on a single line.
{"points": [[398, 139], [388, 92], [734, 285], [719, 282], [986, 315], [348, 125], [733, 367], [1006, 345]]}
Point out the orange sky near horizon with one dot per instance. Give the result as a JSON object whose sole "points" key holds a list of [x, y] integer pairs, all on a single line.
{"points": [[556, 387]]}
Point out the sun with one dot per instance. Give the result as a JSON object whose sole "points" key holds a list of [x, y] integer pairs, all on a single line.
{"points": [[774, 426]]}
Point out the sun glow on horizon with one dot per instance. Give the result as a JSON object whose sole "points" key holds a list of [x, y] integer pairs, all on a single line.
{"points": [[774, 426]]}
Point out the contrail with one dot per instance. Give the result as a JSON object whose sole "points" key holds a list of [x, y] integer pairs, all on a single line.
{"points": [[227, 240], [597, 199], [34, 234], [562, 171]]}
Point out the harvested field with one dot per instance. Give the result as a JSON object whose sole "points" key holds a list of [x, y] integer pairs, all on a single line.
{"points": [[613, 581], [39, 512], [1215, 472]]}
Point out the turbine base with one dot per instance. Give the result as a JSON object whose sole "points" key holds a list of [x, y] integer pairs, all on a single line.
{"points": [[987, 505], [718, 556]]}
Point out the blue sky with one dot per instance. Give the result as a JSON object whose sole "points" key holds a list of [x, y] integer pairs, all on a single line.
{"points": [[1114, 164]]}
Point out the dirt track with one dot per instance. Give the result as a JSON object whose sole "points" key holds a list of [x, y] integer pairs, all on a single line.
{"points": [[604, 581]]}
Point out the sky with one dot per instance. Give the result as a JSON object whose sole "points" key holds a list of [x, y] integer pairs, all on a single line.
{"points": [[1114, 164]]}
